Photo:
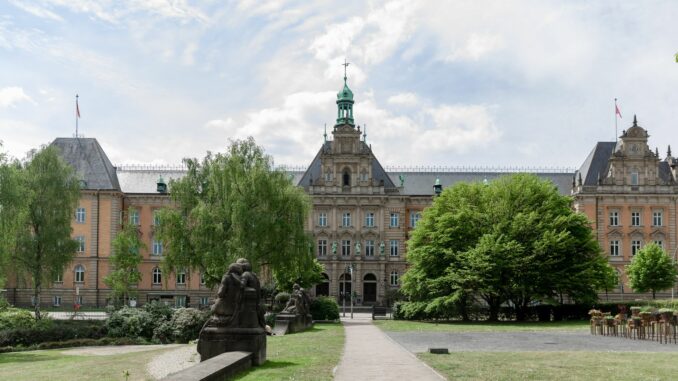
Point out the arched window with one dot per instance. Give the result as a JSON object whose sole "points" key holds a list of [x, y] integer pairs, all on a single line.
{"points": [[157, 276], [394, 278], [79, 273], [346, 178]]}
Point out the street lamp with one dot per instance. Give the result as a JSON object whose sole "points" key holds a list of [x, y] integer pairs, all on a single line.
{"points": [[349, 269]]}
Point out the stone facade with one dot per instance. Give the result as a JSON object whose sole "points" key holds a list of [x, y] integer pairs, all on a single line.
{"points": [[630, 195]]}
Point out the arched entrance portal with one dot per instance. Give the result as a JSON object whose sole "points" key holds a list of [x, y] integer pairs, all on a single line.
{"points": [[323, 288], [345, 287], [369, 288]]}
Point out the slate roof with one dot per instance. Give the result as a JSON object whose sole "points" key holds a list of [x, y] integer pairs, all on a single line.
{"points": [[596, 163], [90, 162], [421, 183], [145, 181], [314, 170]]}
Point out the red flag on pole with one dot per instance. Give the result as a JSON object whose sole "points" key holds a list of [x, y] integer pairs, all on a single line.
{"points": [[616, 108]]}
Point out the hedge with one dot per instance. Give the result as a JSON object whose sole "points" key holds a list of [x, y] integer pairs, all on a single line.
{"points": [[47, 330], [324, 308]]}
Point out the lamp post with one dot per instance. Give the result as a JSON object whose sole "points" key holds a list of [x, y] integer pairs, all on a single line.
{"points": [[349, 270]]}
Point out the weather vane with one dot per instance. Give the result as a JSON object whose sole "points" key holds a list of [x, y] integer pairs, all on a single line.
{"points": [[345, 65]]}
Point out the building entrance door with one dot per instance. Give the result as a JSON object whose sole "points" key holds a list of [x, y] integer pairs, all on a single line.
{"points": [[369, 288]]}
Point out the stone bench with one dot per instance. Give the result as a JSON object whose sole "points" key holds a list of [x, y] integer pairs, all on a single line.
{"points": [[222, 367]]}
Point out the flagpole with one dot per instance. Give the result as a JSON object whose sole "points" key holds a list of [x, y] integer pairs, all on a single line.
{"points": [[616, 135], [77, 112]]}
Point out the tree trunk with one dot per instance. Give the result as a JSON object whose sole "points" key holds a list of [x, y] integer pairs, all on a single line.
{"points": [[494, 312], [36, 296], [653, 296]]}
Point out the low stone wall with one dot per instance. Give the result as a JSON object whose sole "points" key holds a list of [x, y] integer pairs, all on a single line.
{"points": [[218, 368]]}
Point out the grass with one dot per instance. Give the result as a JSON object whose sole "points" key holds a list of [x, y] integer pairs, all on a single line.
{"points": [[554, 365], [56, 366], [458, 326], [310, 355]]}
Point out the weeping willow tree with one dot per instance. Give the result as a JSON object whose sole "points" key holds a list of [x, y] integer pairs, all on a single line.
{"points": [[234, 205]]}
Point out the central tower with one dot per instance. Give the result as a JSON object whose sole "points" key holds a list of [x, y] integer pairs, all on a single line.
{"points": [[345, 103]]}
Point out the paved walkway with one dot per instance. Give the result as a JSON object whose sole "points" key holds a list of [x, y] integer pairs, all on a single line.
{"points": [[371, 355]]}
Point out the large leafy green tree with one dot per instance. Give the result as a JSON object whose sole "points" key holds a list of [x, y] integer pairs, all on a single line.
{"points": [[125, 262], [12, 211], [515, 239], [651, 270], [234, 205], [44, 244]]}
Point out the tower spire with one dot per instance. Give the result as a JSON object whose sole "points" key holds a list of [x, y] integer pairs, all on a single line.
{"points": [[345, 102]]}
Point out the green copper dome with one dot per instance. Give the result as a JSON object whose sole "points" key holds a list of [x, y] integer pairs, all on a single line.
{"points": [[345, 93]]}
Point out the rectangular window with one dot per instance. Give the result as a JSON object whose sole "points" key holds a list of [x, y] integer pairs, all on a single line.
{"points": [[614, 248], [346, 219], [56, 300], [635, 246], [394, 220], [659, 243], [181, 277], [635, 218], [394, 247], [180, 301], [59, 278], [657, 218], [204, 300], [78, 299], [345, 248], [369, 220], [414, 218], [81, 244], [322, 247], [80, 215], [157, 247], [614, 218], [134, 217], [322, 219], [369, 248], [156, 218], [634, 178]]}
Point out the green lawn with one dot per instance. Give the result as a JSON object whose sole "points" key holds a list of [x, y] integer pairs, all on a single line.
{"points": [[458, 326], [310, 355], [554, 365], [55, 366]]}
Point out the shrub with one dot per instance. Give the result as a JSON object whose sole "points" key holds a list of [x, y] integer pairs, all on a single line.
{"points": [[53, 331], [281, 300], [270, 319], [184, 326], [324, 308], [4, 304], [187, 323], [158, 310], [132, 322], [14, 318]]}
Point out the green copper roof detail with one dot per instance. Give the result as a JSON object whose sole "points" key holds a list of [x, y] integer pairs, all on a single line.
{"points": [[345, 102]]}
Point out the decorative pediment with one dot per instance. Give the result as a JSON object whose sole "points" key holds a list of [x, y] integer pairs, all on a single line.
{"points": [[658, 235], [636, 233], [614, 233]]}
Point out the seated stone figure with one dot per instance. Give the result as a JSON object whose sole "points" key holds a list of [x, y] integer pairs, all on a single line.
{"points": [[253, 294], [227, 305], [299, 302]]}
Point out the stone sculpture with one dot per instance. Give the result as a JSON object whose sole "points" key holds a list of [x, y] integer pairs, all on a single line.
{"points": [[296, 316], [237, 321]]}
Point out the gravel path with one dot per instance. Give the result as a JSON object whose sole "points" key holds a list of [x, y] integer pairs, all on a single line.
{"points": [[525, 342], [114, 349], [173, 361]]}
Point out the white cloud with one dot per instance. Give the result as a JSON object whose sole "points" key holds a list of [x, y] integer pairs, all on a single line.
{"points": [[36, 10], [404, 99], [475, 47], [9, 96], [459, 128]]}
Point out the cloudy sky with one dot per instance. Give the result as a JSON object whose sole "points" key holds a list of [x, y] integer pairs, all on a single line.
{"points": [[456, 83]]}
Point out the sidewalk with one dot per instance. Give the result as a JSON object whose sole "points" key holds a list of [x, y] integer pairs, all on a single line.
{"points": [[371, 355]]}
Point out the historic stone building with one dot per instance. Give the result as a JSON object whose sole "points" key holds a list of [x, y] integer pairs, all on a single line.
{"points": [[361, 219], [630, 195]]}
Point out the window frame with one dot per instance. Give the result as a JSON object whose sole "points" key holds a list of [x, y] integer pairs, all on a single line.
{"points": [[322, 247], [394, 220], [156, 276], [322, 219], [345, 247], [615, 245], [657, 216], [636, 218], [79, 274], [394, 248], [134, 217], [394, 278], [157, 248], [636, 245], [346, 219], [414, 219], [81, 244], [369, 248], [181, 278], [80, 215], [614, 218], [369, 219]]}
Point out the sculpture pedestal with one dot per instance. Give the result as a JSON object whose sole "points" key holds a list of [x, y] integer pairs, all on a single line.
{"points": [[217, 340], [295, 323]]}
